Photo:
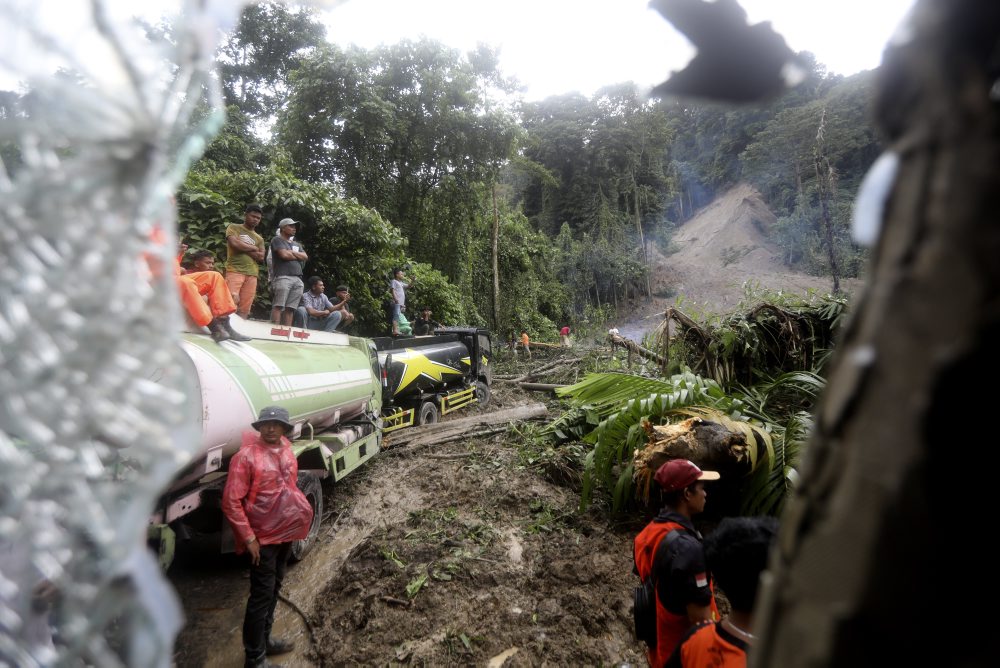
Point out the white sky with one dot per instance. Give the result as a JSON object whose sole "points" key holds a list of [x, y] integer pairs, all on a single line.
{"points": [[550, 46], [557, 46]]}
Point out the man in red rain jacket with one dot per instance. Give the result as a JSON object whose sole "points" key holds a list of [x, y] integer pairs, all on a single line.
{"points": [[267, 511]]}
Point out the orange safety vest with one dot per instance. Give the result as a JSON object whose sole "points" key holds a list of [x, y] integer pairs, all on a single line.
{"points": [[711, 645], [670, 626]]}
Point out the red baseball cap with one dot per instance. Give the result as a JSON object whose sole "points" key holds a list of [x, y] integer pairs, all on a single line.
{"points": [[680, 473]]}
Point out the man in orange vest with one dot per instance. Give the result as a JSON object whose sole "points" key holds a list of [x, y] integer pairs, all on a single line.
{"points": [[670, 550], [737, 553]]}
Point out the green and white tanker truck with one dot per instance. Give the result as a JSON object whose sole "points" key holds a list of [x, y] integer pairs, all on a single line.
{"points": [[343, 394]]}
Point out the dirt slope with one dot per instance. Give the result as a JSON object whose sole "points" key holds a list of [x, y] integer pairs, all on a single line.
{"points": [[714, 254]]}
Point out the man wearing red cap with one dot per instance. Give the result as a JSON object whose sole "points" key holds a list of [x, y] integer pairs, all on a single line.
{"points": [[670, 550]]}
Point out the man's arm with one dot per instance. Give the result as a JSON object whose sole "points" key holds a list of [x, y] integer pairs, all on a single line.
{"points": [[309, 304], [699, 613], [237, 487], [285, 252], [233, 241]]}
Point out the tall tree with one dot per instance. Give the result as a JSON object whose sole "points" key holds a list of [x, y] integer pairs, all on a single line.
{"points": [[255, 60], [410, 130]]}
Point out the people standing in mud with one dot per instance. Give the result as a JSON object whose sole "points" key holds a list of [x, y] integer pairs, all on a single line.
{"points": [[736, 554], [266, 511], [244, 253], [670, 550]]}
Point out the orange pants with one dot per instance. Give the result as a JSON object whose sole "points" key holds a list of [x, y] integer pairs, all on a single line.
{"points": [[243, 289], [210, 284]]}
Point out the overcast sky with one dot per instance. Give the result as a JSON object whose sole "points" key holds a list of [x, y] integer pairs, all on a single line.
{"points": [[557, 46], [550, 46]]}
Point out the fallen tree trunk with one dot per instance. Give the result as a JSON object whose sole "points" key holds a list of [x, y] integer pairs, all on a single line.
{"points": [[541, 387], [443, 432], [632, 346], [535, 372]]}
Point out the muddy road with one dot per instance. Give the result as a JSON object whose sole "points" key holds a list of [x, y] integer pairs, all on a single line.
{"points": [[472, 552]]}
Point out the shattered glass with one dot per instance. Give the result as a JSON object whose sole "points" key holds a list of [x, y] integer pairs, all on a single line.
{"points": [[100, 117]]}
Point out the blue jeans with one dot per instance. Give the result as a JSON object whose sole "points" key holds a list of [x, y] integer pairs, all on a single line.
{"points": [[327, 324]]}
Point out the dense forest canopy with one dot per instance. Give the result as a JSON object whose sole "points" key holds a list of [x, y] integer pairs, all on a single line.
{"points": [[417, 154]]}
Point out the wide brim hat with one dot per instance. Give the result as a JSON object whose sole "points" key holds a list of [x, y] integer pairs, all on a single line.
{"points": [[273, 414]]}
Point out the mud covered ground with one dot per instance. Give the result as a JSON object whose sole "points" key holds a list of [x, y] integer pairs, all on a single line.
{"points": [[472, 552]]}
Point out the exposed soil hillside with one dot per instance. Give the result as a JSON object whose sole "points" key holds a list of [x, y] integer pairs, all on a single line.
{"points": [[713, 255]]}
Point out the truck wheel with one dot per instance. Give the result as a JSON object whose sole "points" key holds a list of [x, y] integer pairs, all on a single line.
{"points": [[428, 413], [310, 485], [482, 393]]}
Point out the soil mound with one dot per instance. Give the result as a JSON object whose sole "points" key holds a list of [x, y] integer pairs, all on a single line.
{"points": [[713, 256]]}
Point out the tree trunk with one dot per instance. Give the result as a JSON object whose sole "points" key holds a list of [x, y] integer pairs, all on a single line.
{"points": [[897, 485], [642, 238], [495, 252], [441, 432], [825, 183]]}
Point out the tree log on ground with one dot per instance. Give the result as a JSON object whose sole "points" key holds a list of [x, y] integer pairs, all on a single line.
{"points": [[632, 346], [443, 432]]}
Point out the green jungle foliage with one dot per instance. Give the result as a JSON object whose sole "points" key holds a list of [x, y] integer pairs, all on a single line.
{"points": [[414, 153], [767, 358]]}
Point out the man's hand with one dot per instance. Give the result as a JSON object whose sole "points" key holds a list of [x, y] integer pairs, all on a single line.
{"points": [[258, 255], [254, 550]]}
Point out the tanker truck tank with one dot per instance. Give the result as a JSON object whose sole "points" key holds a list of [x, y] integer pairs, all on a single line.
{"points": [[320, 384]]}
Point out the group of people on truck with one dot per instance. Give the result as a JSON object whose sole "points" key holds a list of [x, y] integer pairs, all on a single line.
{"points": [[210, 299]]}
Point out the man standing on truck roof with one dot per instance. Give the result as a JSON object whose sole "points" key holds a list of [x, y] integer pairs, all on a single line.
{"points": [[398, 287], [244, 253], [286, 279], [267, 511]]}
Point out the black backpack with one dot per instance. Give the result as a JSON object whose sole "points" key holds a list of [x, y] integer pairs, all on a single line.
{"points": [[644, 600]]}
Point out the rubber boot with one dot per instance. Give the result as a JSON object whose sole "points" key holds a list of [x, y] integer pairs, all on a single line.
{"points": [[278, 646], [219, 333], [228, 327]]}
